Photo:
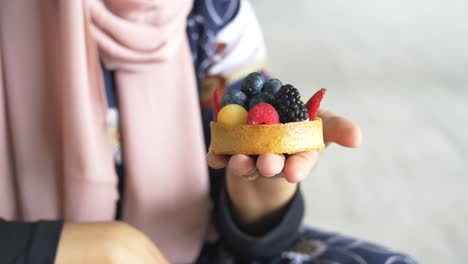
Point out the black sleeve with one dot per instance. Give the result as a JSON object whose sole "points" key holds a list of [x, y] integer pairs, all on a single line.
{"points": [[24, 243], [270, 244]]}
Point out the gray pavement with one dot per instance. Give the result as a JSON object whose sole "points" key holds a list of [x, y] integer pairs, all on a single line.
{"points": [[399, 69]]}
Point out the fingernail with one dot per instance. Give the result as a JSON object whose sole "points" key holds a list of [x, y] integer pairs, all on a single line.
{"points": [[251, 175], [248, 173]]}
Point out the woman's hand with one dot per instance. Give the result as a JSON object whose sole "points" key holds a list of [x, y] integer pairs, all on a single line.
{"points": [[105, 242], [259, 203]]}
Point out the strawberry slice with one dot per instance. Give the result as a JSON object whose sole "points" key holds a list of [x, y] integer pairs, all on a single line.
{"points": [[217, 97], [314, 103]]}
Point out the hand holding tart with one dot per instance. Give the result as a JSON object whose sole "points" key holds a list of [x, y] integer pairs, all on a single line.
{"points": [[277, 120]]}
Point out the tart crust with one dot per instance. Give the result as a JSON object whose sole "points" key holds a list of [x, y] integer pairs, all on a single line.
{"points": [[286, 138]]}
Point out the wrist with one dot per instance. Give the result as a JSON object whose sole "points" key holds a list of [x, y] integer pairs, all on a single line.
{"points": [[258, 205]]}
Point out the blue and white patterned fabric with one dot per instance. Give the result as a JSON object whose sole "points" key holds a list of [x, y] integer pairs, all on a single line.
{"points": [[205, 21], [317, 247]]}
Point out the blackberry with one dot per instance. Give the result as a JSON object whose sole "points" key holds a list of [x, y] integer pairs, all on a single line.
{"points": [[289, 105], [252, 84]]}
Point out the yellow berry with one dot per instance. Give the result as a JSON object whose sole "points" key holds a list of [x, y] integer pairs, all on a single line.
{"points": [[232, 115]]}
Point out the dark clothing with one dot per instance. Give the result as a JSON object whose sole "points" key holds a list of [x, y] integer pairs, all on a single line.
{"points": [[22, 243]]}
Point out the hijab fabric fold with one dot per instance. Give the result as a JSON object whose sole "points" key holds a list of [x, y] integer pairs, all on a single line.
{"points": [[55, 151]]}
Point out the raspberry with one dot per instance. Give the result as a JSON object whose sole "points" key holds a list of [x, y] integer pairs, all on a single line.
{"points": [[262, 113], [252, 84], [232, 115], [314, 103], [289, 105], [260, 98]]}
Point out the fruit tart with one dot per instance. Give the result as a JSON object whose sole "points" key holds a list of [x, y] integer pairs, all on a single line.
{"points": [[265, 117]]}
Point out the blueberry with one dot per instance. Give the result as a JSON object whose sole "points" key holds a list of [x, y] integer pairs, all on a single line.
{"points": [[261, 98], [272, 86], [252, 84], [234, 96]]}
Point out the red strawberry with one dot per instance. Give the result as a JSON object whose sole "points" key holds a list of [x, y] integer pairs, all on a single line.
{"points": [[217, 97], [314, 103], [262, 113]]}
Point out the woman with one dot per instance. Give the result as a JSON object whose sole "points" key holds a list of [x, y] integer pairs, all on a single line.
{"points": [[100, 121]]}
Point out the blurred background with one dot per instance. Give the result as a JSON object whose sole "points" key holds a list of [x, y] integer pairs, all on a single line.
{"points": [[400, 70]]}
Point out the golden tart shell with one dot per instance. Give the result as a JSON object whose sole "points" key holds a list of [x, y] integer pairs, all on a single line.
{"points": [[258, 139]]}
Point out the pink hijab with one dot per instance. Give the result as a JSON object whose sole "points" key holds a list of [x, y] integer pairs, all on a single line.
{"points": [[55, 153]]}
